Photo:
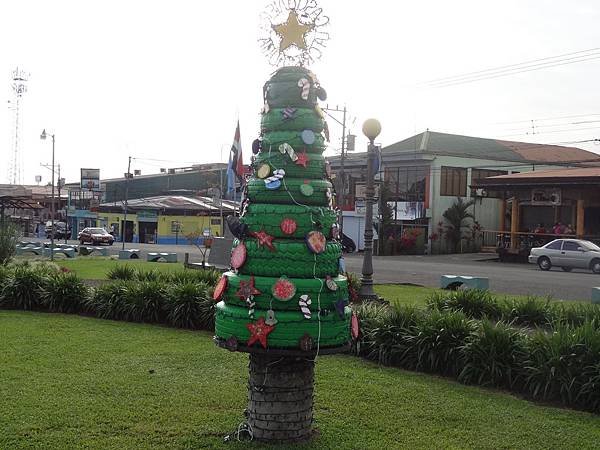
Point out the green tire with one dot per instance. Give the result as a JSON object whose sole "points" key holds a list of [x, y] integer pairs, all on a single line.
{"points": [[314, 288], [304, 119], [281, 94], [274, 139], [289, 192], [315, 168], [290, 258], [268, 217], [291, 326]]}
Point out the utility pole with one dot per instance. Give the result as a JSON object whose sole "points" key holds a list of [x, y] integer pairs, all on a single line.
{"points": [[127, 176], [342, 184]]}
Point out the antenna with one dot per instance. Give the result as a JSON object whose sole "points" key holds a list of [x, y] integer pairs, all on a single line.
{"points": [[19, 87]]}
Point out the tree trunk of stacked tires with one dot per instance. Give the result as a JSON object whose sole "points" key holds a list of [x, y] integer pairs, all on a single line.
{"points": [[284, 300]]}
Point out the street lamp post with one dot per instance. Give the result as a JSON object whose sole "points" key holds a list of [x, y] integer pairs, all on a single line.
{"points": [[371, 129], [43, 137]]}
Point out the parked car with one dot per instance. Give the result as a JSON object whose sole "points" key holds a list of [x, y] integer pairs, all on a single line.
{"points": [[60, 230], [567, 254], [96, 236]]}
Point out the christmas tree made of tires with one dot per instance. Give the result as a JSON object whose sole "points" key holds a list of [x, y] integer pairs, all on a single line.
{"points": [[284, 300]]}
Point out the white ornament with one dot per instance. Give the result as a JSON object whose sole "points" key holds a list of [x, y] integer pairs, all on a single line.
{"points": [[304, 304], [305, 85]]}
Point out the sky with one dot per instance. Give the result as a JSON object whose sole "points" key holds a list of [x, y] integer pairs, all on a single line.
{"points": [[166, 82]]}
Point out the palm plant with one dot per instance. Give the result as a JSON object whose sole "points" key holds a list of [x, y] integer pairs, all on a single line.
{"points": [[455, 217], [9, 238]]}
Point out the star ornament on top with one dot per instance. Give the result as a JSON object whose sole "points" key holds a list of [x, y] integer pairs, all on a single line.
{"points": [[292, 32]]}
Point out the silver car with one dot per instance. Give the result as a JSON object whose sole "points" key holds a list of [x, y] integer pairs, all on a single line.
{"points": [[567, 254]]}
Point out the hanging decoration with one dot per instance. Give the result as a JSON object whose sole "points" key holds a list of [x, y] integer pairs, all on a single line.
{"points": [[263, 238], [335, 231], [247, 289], [288, 113], [266, 107], [340, 307], [288, 226], [302, 159], [316, 242], [331, 285], [250, 303], [308, 137], [231, 344], [306, 189], [256, 144], [259, 331], [326, 131], [220, 288], [304, 304], [321, 93], [354, 326], [263, 171], [304, 84], [306, 343], [274, 181], [293, 33], [238, 256], [237, 228], [271, 320], [287, 148], [283, 289], [328, 169]]}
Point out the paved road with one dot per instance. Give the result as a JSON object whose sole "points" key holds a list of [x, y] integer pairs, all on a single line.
{"points": [[505, 278]]}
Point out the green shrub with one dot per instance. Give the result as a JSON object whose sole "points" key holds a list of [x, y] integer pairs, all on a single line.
{"points": [[144, 302], [576, 314], [473, 303], [63, 293], [529, 312], [121, 272], [107, 301], [210, 277], [10, 235], [494, 356], [562, 365], [190, 305], [22, 288], [353, 285], [436, 341], [148, 275]]}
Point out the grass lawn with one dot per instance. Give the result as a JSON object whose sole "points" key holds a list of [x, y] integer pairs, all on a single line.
{"points": [[76, 382], [96, 268]]}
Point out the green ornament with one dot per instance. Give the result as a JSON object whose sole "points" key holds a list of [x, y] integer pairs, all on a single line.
{"points": [[306, 189]]}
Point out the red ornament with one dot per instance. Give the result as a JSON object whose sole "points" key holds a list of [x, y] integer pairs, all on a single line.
{"points": [[303, 159], [238, 256], [262, 238], [247, 289], [220, 288], [288, 226], [259, 332], [354, 326], [316, 242], [283, 289]]}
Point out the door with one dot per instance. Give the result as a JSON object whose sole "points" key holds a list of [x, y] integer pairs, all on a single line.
{"points": [[572, 255], [553, 251], [127, 230]]}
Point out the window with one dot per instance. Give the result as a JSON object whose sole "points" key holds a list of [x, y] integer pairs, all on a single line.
{"points": [[571, 246], [407, 184], [555, 245], [454, 181]]}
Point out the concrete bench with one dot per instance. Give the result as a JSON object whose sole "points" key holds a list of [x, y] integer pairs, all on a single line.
{"points": [[68, 252], [167, 257], [456, 281], [85, 251], [130, 253], [596, 295], [35, 250]]}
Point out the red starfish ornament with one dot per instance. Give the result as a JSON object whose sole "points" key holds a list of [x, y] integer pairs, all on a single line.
{"points": [[247, 289], [259, 332], [303, 159], [264, 239]]}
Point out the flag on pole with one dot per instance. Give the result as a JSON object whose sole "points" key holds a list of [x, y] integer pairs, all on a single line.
{"points": [[235, 167]]}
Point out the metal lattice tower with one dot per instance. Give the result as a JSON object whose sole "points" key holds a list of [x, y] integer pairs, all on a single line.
{"points": [[19, 87]]}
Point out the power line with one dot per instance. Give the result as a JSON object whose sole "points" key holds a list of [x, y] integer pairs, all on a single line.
{"points": [[510, 70]]}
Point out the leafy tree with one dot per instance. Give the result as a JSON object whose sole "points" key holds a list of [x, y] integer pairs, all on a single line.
{"points": [[455, 217], [10, 235]]}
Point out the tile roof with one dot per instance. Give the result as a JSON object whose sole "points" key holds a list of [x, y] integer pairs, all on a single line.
{"points": [[571, 176]]}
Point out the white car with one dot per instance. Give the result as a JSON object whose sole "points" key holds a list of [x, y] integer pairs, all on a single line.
{"points": [[567, 254]]}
